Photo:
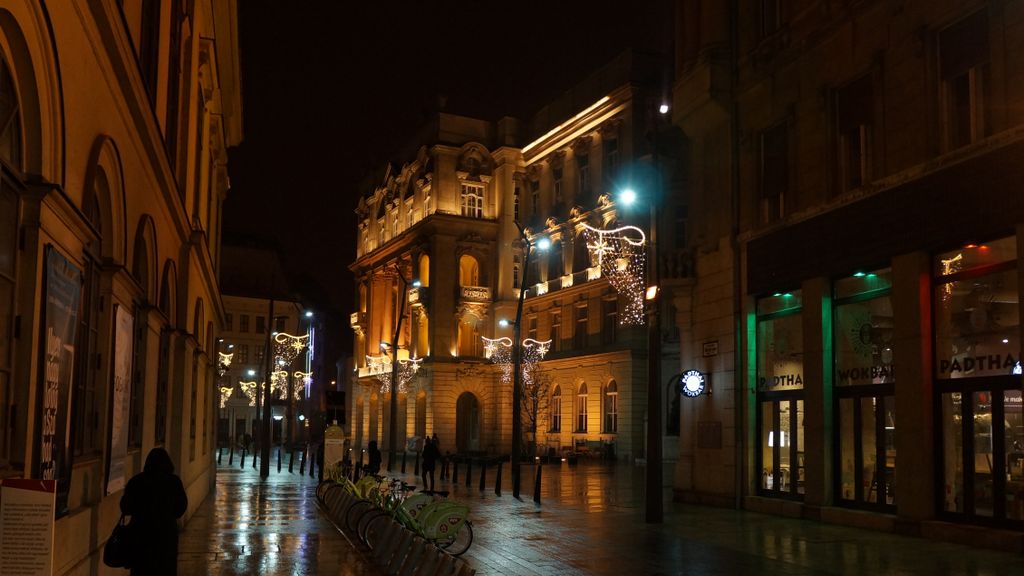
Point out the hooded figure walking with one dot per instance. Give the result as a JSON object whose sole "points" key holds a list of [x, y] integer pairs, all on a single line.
{"points": [[155, 499]]}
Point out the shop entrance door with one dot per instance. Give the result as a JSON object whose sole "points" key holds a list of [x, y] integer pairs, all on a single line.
{"points": [[780, 446]]}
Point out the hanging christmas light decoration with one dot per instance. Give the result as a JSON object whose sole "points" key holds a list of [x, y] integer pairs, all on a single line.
{"points": [[288, 347], [301, 392], [620, 254], [249, 389], [279, 383], [225, 393], [223, 362], [533, 352], [499, 351]]}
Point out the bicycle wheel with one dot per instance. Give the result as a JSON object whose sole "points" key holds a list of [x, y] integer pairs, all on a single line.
{"points": [[364, 522], [460, 541], [375, 530], [354, 512]]}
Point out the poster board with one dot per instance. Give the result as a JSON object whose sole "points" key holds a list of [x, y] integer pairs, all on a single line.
{"points": [[26, 526], [123, 334], [334, 445]]}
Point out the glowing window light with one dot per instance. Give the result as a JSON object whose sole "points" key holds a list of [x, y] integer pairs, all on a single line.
{"points": [[620, 254]]}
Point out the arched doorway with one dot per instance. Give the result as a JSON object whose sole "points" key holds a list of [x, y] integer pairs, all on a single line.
{"points": [[467, 423]]}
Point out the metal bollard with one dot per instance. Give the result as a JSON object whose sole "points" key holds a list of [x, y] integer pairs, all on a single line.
{"points": [[291, 461], [469, 472], [536, 486], [231, 455], [483, 475], [243, 457], [302, 462], [278, 459], [455, 471], [220, 451], [254, 460], [497, 481]]}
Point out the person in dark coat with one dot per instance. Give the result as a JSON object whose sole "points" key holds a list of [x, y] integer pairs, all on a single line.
{"points": [[155, 499], [430, 456], [373, 466]]}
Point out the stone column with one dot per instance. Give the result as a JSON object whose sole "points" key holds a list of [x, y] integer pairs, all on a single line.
{"points": [[818, 416], [913, 353]]}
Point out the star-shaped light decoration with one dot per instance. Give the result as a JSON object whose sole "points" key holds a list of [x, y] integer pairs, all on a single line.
{"points": [[620, 253]]}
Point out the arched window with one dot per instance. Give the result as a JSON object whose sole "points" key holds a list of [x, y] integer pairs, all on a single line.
{"points": [[556, 409], [424, 270], [611, 407], [10, 119], [469, 271], [581, 408], [10, 153]]}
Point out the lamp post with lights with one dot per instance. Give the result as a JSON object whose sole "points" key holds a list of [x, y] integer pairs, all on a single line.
{"points": [[654, 509], [517, 357]]}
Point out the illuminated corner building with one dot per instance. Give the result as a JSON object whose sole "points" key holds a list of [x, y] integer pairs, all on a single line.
{"points": [[858, 225], [117, 117], [445, 220]]}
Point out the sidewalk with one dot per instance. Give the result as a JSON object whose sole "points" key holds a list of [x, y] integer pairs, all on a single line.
{"points": [[589, 521]]}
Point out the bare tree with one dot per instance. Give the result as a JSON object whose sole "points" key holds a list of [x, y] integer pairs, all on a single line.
{"points": [[535, 401]]}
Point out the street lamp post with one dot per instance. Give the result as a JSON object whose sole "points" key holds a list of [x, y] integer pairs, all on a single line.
{"points": [[517, 361], [265, 432]]}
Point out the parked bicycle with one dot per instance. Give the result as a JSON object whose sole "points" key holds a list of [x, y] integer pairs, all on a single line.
{"points": [[433, 517]]}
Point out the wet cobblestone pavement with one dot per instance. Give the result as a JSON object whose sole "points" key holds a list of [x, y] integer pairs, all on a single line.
{"points": [[590, 521]]}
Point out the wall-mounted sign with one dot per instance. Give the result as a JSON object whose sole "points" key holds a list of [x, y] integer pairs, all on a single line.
{"points": [[691, 383], [710, 348]]}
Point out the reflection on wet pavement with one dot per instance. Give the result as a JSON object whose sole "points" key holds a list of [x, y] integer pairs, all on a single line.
{"points": [[267, 527]]}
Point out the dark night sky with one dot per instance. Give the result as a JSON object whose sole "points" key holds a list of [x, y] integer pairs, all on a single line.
{"points": [[331, 89]]}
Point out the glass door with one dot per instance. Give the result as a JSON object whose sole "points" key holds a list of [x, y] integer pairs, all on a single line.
{"points": [[781, 446]]}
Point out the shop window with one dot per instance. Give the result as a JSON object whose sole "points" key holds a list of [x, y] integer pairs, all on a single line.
{"points": [[780, 394], [864, 379], [853, 122], [472, 200], [965, 76], [774, 172], [977, 352]]}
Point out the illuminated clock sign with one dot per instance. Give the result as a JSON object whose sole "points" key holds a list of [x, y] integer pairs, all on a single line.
{"points": [[691, 383]]}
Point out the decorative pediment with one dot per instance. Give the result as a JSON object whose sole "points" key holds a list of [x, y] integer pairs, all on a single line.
{"points": [[581, 146], [610, 129], [557, 159], [475, 161], [533, 171]]}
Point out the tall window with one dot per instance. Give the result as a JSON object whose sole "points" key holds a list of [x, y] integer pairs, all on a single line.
{"points": [[610, 319], [977, 350], [556, 184], [243, 323], [515, 204], [394, 224], [229, 322], [965, 72], [149, 46], [556, 409], [583, 166], [259, 348], [472, 200], [10, 119], [611, 158], [864, 380], [555, 261], [8, 253], [774, 172], [261, 324], [682, 217], [469, 271], [854, 118], [279, 322], [581, 408], [242, 351], [426, 205], [611, 408], [517, 271], [85, 397], [580, 334], [535, 196], [531, 327], [556, 330], [780, 394]]}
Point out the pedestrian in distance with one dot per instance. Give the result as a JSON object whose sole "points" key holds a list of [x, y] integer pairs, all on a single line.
{"points": [[373, 466], [154, 499], [445, 460], [430, 457]]}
